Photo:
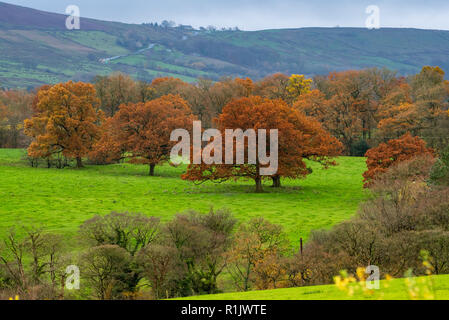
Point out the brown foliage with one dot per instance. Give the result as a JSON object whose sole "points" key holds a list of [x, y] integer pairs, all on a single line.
{"points": [[379, 159], [15, 107], [300, 138], [65, 121], [143, 131]]}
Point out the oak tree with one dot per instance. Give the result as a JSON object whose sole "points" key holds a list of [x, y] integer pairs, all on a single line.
{"points": [[143, 129], [65, 121]]}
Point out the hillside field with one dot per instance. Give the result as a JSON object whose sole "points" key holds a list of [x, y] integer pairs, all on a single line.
{"points": [[37, 49], [396, 289], [60, 200]]}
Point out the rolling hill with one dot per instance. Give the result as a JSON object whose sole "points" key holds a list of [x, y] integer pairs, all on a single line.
{"points": [[36, 48]]}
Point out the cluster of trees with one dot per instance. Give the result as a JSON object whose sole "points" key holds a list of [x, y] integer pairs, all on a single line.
{"points": [[406, 215], [132, 256], [15, 107], [364, 108], [117, 117]]}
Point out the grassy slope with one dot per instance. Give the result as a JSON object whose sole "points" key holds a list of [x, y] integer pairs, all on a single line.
{"points": [[60, 200], [35, 48], [396, 289]]}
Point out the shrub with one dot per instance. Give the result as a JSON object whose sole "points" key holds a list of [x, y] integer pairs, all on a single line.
{"points": [[440, 171], [105, 269], [32, 266], [384, 156], [130, 231], [163, 269], [200, 242], [254, 242]]}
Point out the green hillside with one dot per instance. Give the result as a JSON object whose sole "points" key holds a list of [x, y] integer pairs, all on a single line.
{"points": [[436, 287], [35, 48], [60, 200]]}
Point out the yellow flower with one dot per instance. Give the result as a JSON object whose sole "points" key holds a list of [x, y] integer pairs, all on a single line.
{"points": [[361, 273]]}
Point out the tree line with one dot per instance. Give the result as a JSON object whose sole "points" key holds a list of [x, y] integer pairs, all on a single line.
{"points": [[116, 117]]}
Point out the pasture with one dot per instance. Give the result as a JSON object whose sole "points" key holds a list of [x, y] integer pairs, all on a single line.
{"points": [[59, 200]]}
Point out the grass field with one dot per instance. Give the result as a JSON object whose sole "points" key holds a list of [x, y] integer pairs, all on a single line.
{"points": [[396, 289], [60, 200]]}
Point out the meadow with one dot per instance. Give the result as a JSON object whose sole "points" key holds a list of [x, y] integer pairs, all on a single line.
{"points": [[59, 200], [396, 289]]}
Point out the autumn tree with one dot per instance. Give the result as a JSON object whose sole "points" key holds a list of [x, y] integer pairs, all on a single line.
{"points": [[297, 86], [15, 107], [109, 148], [418, 106], [117, 89], [143, 129], [65, 121], [200, 98], [396, 113], [273, 87], [299, 137], [346, 103], [168, 85], [381, 158], [254, 243]]}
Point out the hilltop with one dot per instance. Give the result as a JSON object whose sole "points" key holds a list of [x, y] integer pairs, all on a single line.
{"points": [[36, 48]]}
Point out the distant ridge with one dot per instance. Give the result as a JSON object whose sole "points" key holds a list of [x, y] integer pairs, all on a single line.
{"points": [[36, 48], [17, 16]]}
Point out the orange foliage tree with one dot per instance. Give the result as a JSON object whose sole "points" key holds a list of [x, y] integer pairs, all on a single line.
{"points": [[273, 87], [115, 90], [15, 107], [299, 138], [346, 103], [143, 130], [379, 159], [418, 106], [65, 121]]}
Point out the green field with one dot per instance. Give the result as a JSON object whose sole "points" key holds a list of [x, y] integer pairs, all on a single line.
{"points": [[60, 200], [396, 289]]}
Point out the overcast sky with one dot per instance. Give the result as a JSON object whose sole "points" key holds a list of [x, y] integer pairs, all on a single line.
{"points": [[258, 14]]}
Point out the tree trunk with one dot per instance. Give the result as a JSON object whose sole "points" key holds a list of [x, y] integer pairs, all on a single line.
{"points": [[152, 166], [259, 187], [276, 181], [79, 162]]}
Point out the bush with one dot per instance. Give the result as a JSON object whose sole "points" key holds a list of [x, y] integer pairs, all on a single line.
{"points": [[403, 217], [201, 242], [440, 171], [163, 269], [255, 253], [384, 156], [130, 231], [106, 269], [32, 266]]}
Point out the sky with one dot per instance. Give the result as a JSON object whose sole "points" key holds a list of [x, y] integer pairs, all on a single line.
{"points": [[258, 14]]}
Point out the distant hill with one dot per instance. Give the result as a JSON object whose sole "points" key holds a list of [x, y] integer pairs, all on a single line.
{"points": [[36, 48]]}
